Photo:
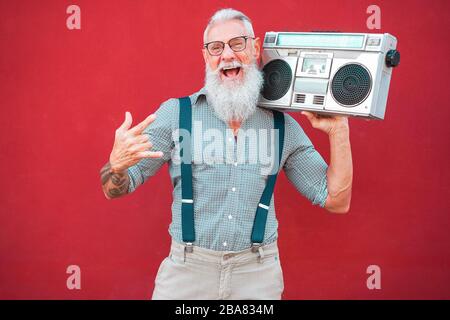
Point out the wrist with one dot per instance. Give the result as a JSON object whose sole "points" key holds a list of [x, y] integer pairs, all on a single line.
{"points": [[108, 172], [113, 168], [339, 131]]}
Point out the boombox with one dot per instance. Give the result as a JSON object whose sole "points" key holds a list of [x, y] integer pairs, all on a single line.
{"points": [[328, 72]]}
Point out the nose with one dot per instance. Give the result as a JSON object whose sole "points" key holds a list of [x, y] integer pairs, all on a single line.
{"points": [[228, 54]]}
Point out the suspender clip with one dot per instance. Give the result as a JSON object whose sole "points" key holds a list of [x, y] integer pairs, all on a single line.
{"points": [[257, 248], [188, 248]]}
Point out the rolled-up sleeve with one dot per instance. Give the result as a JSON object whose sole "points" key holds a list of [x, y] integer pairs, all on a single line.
{"points": [[304, 166], [160, 134]]}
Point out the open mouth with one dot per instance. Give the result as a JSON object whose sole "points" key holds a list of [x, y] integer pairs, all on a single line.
{"points": [[231, 72]]}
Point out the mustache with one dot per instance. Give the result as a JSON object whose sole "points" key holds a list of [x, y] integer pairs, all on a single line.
{"points": [[229, 65]]}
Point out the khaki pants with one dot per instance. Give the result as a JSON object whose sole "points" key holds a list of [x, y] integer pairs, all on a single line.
{"points": [[211, 275]]}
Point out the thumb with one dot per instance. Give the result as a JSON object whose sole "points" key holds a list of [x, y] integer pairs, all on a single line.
{"points": [[128, 121], [309, 115]]}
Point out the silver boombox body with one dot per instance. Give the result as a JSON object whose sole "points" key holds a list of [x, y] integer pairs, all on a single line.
{"points": [[328, 72]]}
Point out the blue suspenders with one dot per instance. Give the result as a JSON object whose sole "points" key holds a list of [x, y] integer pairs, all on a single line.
{"points": [[259, 225], [187, 200]]}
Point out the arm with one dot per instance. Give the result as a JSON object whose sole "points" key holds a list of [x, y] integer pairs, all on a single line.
{"points": [[340, 173], [130, 147], [340, 170], [304, 166], [114, 184]]}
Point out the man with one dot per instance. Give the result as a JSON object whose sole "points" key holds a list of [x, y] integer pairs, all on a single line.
{"points": [[223, 262]]}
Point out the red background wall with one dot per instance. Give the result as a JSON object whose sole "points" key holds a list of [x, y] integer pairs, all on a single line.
{"points": [[63, 93]]}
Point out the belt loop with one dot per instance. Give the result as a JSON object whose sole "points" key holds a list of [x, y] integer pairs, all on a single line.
{"points": [[188, 248]]}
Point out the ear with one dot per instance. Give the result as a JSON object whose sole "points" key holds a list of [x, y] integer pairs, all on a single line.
{"points": [[257, 48], [205, 55]]}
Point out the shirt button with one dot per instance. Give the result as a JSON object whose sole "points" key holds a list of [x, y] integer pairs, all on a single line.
{"points": [[233, 189], [230, 217], [235, 164], [225, 244], [230, 139]]}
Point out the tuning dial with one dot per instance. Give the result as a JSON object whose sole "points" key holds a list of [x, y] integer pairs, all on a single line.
{"points": [[392, 58]]}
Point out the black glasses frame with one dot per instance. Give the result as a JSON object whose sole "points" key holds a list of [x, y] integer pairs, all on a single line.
{"points": [[206, 45]]}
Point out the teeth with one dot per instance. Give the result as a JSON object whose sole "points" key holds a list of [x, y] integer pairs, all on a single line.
{"points": [[228, 68]]}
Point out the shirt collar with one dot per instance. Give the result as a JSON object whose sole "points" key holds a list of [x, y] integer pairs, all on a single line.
{"points": [[196, 96]]}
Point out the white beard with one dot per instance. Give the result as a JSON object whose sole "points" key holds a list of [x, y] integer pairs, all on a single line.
{"points": [[234, 99]]}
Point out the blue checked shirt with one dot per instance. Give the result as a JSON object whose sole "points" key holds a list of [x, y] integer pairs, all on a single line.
{"points": [[227, 193]]}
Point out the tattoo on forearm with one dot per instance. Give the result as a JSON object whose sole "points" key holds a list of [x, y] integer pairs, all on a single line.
{"points": [[105, 174], [119, 181]]}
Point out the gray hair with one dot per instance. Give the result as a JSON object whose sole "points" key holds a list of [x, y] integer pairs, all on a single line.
{"points": [[229, 14]]}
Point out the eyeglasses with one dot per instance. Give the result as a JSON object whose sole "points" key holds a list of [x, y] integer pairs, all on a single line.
{"points": [[215, 48]]}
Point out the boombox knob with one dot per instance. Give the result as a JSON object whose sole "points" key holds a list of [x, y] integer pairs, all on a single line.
{"points": [[392, 58]]}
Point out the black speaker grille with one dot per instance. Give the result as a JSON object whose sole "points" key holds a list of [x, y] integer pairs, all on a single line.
{"points": [[351, 85], [277, 79]]}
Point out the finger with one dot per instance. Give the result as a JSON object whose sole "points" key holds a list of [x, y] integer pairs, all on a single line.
{"points": [[141, 147], [128, 121], [142, 138], [150, 154], [309, 115], [144, 124]]}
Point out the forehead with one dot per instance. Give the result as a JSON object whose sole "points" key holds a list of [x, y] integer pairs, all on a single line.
{"points": [[225, 30]]}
